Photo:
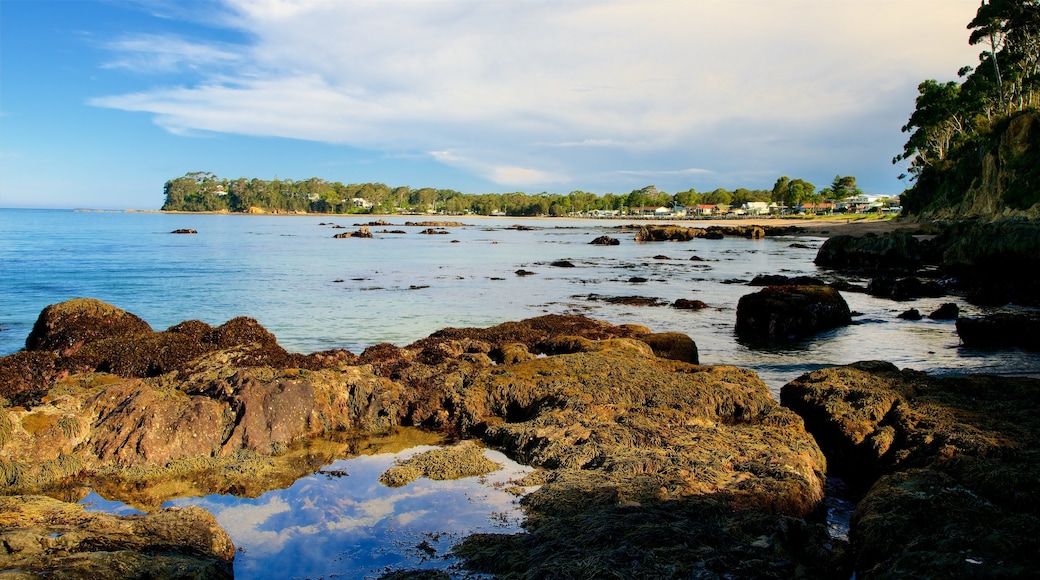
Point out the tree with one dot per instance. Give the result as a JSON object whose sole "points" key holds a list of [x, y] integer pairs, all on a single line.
{"points": [[842, 187], [718, 197]]}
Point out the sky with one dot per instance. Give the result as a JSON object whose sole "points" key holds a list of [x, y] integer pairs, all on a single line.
{"points": [[102, 102]]}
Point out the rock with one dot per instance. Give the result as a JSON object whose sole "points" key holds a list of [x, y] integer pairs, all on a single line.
{"points": [[638, 280], [606, 241], [463, 459], [522, 272], [781, 280], [687, 304], [436, 224], [946, 311], [47, 537], [362, 232], [958, 460], [626, 300], [661, 257], [667, 233], [67, 326], [184, 231], [633, 455], [785, 312], [696, 259], [562, 264], [895, 251], [1001, 330], [907, 288], [996, 262], [672, 345], [912, 314], [434, 231]]}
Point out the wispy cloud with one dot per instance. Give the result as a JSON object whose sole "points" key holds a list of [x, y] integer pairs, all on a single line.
{"points": [[514, 89], [151, 53]]}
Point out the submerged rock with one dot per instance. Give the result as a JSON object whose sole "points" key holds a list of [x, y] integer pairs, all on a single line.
{"points": [[907, 288], [786, 312]]}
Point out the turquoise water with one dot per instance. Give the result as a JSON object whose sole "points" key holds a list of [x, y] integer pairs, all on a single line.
{"points": [[315, 292]]}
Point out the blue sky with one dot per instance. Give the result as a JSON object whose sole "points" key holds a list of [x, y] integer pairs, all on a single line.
{"points": [[102, 101]]}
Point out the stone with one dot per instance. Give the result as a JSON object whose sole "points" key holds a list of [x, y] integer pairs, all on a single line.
{"points": [[912, 314], [1000, 330], [605, 241], [907, 288], [51, 538], [950, 466], [781, 280], [787, 312], [184, 231], [67, 326], [946, 311], [672, 345], [687, 304], [895, 251]]}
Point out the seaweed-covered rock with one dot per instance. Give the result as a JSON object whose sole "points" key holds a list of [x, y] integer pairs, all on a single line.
{"points": [[1001, 330], [904, 288], [784, 312], [672, 345], [67, 326], [605, 241], [895, 251], [687, 304], [644, 458], [50, 538], [958, 458]]}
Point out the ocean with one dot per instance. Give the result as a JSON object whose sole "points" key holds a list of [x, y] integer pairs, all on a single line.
{"points": [[316, 292]]}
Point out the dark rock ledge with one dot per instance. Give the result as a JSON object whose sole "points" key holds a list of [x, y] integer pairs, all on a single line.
{"points": [[950, 467]]}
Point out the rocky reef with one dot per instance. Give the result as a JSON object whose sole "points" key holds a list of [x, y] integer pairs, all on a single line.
{"points": [[649, 464], [950, 467]]}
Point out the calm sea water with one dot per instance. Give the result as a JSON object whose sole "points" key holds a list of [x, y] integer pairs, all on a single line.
{"points": [[315, 292]]}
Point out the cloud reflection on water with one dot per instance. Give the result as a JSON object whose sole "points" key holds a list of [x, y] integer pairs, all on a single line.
{"points": [[354, 526]]}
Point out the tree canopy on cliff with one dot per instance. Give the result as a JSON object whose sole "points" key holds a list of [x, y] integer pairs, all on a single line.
{"points": [[954, 118]]}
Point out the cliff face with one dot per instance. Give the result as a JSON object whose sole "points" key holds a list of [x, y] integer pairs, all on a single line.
{"points": [[994, 175]]}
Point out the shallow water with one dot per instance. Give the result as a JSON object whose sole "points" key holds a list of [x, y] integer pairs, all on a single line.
{"points": [[315, 292], [343, 523]]}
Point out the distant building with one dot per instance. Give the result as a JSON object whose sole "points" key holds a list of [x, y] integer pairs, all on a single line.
{"points": [[362, 203], [756, 207]]}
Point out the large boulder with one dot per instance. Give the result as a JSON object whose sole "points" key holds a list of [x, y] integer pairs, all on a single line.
{"points": [[1001, 330], [67, 326], [894, 251], [786, 312], [952, 466], [45, 537]]}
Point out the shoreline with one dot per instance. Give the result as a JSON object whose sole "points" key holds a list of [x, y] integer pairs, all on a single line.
{"points": [[825, 227]]}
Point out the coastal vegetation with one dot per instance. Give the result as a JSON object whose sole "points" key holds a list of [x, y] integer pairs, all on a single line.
{"points": [[204, 191], [974, 144]]}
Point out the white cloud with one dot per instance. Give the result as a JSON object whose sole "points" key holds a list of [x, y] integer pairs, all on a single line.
{"points": [[152, 53], [512, 90]]}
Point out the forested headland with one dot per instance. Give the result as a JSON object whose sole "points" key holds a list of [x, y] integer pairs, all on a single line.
{"points": [[203, 191], [974, 144]]}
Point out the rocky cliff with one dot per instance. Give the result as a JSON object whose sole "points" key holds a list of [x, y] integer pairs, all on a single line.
{"points": [[994, 175]]}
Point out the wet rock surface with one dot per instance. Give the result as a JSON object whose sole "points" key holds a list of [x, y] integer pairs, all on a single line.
{"points": [[950, 467], [1001, 330], [45, 537], [893, 251], [778, 313]]}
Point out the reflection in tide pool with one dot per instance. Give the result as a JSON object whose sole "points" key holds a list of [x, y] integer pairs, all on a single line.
{"points": [[341, 522]]}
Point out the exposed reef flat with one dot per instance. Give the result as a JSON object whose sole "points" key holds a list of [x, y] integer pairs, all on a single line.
{"points": [[649, 464]]}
